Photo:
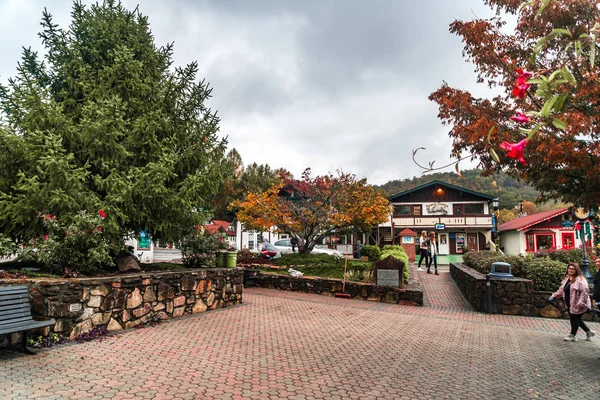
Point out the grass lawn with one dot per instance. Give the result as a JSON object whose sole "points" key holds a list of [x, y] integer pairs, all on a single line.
{"points": [[324, 266]]}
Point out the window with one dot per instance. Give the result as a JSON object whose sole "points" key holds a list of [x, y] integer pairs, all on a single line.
{"points": [[402, 210], [476, 208], [541, 241], [408, 210], [250, 243], [530, 242], [468, 209], [544, 242], [568, 241]]}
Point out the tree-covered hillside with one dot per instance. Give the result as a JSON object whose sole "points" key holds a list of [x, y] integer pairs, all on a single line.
{"points": [[507, 189]]}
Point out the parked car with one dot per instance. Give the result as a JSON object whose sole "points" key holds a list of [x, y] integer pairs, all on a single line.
{"points": [[285, 246]]}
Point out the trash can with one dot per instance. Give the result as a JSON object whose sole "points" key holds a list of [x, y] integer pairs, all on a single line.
{"points": [[231, 259], [220, 259], [501, 270]]}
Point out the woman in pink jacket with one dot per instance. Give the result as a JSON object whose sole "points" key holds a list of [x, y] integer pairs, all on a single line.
{"points": [[576, 293]]}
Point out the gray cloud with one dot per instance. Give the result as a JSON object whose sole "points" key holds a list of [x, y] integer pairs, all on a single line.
{"points": [[337, 84]]}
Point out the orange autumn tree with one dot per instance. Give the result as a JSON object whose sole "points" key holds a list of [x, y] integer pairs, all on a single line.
{"points": [[543, 127], [313, 208]]}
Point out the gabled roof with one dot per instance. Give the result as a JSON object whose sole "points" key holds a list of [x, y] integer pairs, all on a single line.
{"points": [[440, 183], [213, 228], [224, 224], [518, 224]]}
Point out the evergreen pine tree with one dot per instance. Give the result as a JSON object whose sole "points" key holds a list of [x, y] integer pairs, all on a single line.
{"points": [[104, 121]]}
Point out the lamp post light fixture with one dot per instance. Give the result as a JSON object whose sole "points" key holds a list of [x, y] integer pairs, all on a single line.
{"points": [[582, 214], [496, 205]]}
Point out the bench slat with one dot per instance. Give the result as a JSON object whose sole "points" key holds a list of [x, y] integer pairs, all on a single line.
{"points": [[11, 314], [15, 319], [5, 307], [15, 297], [24, 326], [20, 290], [13, 304]]}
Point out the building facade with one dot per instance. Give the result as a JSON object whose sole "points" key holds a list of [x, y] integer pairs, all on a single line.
{"points": [[548, 230], [460, 217]]}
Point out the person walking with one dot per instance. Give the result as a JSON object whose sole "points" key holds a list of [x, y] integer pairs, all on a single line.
{"points": [[575, 291], [433, 252], [423, 250]]}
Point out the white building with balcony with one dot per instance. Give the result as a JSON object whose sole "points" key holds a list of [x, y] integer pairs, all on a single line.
{"points": [[460, 217]]}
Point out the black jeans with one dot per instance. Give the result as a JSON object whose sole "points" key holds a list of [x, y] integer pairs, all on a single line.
{"points": [[424, 257], [432, 260], [577, 322]]}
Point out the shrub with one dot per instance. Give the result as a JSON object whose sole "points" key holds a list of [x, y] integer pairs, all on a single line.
{"points": [[388, 247], [71, 248], [564, 256], [198, 249], [398, 253], [545, 273], [482, 260], [516, 263], [372, 252], [8, 247]]}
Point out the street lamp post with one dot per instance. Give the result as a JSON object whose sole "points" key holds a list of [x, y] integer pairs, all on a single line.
{"points": [[496, 205], [585, 263], [582, 214]]}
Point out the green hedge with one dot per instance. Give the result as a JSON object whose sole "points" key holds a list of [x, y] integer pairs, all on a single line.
{"points": [[545, 272], [372, 252], [398, 253]]}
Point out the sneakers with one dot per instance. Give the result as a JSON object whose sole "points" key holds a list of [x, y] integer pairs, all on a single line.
{"points": [[429, 271], [570, 338], [436, 272], [590, 335], [419, 269]]}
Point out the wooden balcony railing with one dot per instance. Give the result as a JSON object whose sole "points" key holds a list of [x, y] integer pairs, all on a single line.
{"points": [[449, 221]]}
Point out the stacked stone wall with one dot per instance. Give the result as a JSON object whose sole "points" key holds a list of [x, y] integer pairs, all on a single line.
{"points": [[509, 296], [126, 301], [410, 294]]}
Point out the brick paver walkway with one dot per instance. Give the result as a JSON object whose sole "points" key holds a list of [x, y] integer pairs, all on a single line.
{"points": [[440, 291], [288, 345]]}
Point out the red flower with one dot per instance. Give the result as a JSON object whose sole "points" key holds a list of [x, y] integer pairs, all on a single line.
{"points": [[99, 229], [46, 237], [515, 150], [520, 117], [521, 85], [102, 214]]}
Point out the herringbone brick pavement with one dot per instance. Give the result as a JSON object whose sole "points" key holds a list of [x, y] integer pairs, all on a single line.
{"points": [[289, 345]]}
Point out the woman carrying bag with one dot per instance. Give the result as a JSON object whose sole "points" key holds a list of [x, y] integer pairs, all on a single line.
{"points": [[576, 293]]}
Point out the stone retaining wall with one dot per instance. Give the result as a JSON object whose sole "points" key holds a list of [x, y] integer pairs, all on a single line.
{"points": [[509, 296], [126, 301], [411, 294]]}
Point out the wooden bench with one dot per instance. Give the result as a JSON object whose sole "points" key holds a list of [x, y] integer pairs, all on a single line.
{"points": [[15, 314]]}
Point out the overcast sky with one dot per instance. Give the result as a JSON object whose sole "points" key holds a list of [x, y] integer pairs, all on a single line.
{"points": [[323, 84]]}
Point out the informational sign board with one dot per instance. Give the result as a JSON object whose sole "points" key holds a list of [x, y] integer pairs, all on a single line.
{"points": [[388, 277]]}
